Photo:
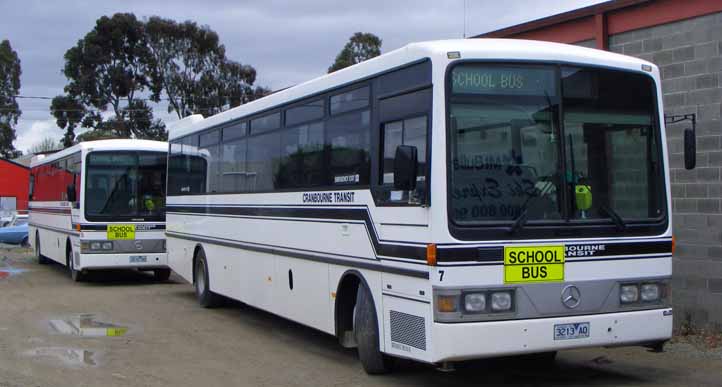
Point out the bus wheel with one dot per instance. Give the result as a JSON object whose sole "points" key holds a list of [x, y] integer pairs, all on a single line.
{"points": [[366, 329], [41, 259], [161, 275], [75, 275], [206, 297]]}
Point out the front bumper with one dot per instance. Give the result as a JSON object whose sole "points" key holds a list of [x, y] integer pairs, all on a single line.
{"points": [[121, 261], [462, 341]]}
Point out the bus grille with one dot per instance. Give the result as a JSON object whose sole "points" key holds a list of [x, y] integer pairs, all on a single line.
{"points": [[408, 329]]}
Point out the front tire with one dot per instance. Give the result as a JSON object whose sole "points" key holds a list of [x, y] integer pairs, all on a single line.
{"points": [[161, 275], [75, 275], [366, 329], [206, 297]]}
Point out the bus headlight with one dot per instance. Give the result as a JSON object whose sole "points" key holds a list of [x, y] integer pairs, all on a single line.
{"points": [[452, 305], [97, 246], [475, 302], [650, 292], [501, 301], [628, 294]]}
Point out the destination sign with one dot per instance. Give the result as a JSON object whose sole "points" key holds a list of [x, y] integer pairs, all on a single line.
{"points": [[502, 80]]}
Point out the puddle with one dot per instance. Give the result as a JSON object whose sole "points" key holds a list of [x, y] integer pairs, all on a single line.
{"points": [[9, 272], [87, 325], [72, 357]]}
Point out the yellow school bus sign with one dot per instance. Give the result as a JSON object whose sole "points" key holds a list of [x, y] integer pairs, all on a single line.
{"points": [[524, 264], [121, 231]]}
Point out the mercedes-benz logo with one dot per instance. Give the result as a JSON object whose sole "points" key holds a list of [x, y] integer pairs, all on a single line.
{"points": [[571, 296], [138, 245]]}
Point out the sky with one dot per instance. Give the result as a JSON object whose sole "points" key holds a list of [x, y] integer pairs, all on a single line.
{"points": [[288, 42]]}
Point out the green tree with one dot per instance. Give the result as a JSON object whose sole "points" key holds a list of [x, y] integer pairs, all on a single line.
{"points": [[48, 144], [69, 113], [184, 55], [229, 85], [111, 66], [9, 110], [360, 47], [191, 67], [96, 134]]}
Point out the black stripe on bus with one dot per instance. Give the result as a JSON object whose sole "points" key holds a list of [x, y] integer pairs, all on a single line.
{"points": [[104, 227], [65, 211], [337, 214], [356, 262], [618, 258], [589, 250]]}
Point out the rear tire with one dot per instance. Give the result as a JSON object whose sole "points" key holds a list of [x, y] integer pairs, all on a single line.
{"points": [[366, 329], [41, 259], [206, 297], [161, 275], [75, 275]]}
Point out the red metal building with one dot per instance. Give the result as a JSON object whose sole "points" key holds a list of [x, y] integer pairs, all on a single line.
{"points": [[599, 21], [14, 184]]}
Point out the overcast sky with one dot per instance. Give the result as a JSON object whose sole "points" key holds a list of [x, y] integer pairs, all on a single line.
{"points": [[286, 41]]}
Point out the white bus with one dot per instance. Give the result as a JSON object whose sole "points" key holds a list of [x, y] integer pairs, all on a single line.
{"points": [[445, 201], [100, 205]]}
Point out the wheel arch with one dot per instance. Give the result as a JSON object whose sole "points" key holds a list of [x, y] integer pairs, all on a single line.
{"points": [[68, 251], [197, 248], [345, 300]]}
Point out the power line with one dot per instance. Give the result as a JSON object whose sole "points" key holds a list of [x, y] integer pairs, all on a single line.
{"points": [[120, 99]]}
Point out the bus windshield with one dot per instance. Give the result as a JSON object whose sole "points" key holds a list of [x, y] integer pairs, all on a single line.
{"points": [[125, 185], [553, 144]]}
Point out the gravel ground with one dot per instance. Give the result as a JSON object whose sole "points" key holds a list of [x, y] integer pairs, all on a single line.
{"points": [[162, 337]]}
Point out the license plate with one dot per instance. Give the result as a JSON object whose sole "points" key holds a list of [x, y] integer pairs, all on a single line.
{"points": [[138, 259], [121, 231], [524, 264], [571, 331]]}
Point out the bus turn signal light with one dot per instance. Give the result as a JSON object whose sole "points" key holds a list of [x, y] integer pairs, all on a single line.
{"points": [[431, 254]]}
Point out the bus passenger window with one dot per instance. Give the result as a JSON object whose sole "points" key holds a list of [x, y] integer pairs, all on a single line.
{"points": [[348, 138]]}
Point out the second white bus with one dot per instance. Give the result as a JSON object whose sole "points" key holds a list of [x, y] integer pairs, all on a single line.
{"points": [[101, 205]]}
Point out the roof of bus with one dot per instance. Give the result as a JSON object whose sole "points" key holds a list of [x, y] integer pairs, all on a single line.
{"points": [[500, 49], [118, 144]]}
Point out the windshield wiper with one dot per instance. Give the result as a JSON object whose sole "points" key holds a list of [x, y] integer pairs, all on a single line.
{"points": [[608, 211], [520, 221]]}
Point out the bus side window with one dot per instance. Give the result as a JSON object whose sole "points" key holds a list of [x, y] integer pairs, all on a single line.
{"points": [[404, 121], [412, 132]]}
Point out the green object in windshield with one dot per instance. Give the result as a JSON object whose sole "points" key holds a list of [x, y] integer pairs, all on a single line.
{"points": [[583, 194]]}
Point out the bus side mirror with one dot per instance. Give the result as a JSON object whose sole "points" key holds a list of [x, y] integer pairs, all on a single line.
{"points": [[71, 193], [690, 149], [405, 165]]}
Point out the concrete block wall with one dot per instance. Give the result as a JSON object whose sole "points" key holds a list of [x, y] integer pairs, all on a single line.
{"points": [[688, 54]]}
